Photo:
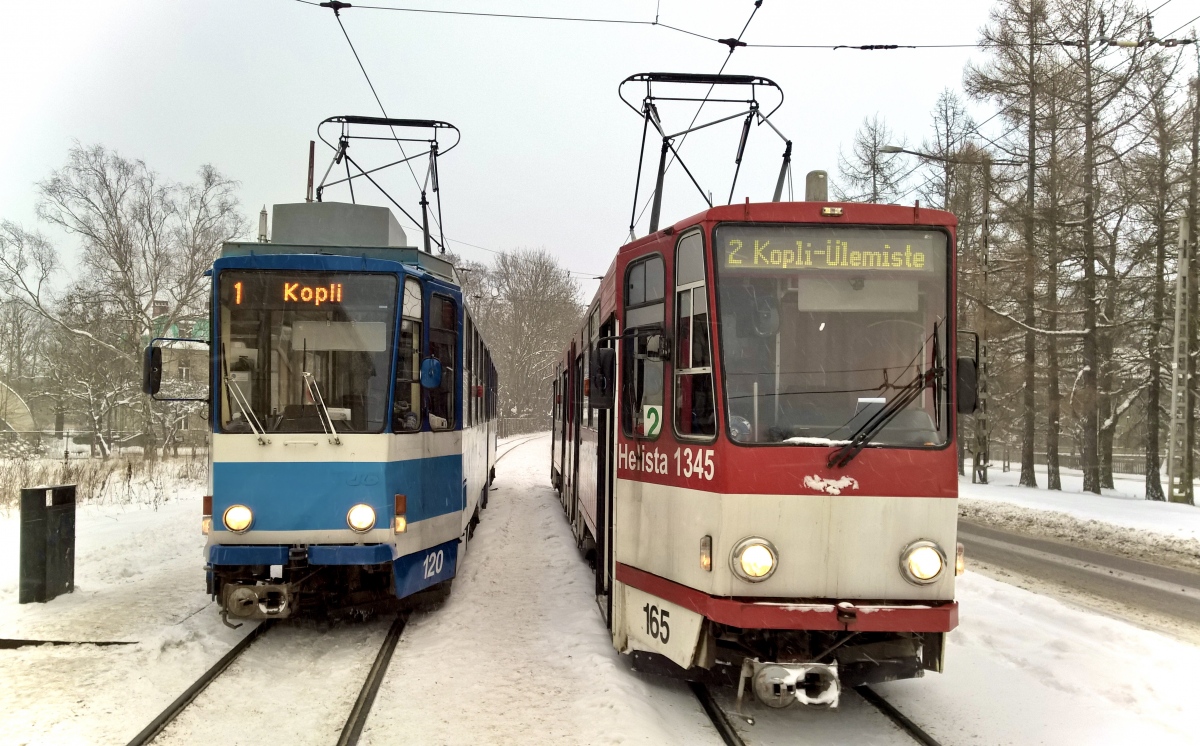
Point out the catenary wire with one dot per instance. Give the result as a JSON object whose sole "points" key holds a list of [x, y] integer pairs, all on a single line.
{"points": [[659, 23], [674, 151], [371, 85]]}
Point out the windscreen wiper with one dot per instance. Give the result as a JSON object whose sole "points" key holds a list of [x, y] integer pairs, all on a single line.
{"points": [[908, 394], [243, 404], [315, 392]]}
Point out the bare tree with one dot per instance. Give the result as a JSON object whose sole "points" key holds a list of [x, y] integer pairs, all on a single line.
{"points": [[142, 239], [868, 174], [528, 308]]}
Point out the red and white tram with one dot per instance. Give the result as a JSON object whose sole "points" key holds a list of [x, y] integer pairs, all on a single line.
{"points": [[754, 440]]}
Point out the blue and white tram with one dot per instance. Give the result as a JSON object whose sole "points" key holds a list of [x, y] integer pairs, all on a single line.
{"points": [[353, 418]]}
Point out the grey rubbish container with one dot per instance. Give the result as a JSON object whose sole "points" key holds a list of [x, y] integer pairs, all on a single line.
{"points": [[47, 543]]}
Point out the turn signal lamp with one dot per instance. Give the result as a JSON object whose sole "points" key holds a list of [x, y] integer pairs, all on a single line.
{"points": [[960, 559], [754, 559], [237, 518], [922, 562], [361, 518], [706, 553], [401, 522]]}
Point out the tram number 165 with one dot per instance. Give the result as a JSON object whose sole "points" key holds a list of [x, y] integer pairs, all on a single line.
{"points": [[656, 623], [434, 561]]}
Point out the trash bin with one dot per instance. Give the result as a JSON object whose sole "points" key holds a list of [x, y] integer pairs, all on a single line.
{"points": [[47, 543]]}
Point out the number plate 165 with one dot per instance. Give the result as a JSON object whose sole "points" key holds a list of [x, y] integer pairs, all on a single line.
{"points": [[659, 626]]}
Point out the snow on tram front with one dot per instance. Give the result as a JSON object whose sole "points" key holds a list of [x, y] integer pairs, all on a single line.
{"points": [[754, 435]]}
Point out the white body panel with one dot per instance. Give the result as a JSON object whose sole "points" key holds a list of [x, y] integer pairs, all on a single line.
{"points": [[843, 547]]}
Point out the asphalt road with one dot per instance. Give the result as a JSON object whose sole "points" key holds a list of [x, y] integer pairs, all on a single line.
{"points": [[1166, 591]]}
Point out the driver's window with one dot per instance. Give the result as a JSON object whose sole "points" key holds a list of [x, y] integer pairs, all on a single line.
{"points": [[406, 405], [443, 342], [695, 410], [641, 374]]}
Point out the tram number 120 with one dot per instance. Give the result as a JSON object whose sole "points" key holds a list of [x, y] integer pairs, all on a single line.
{"points": [[434, 561], [656, 623]]}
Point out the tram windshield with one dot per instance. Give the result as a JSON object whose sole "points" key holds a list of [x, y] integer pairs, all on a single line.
{"points": [[303, 351], [822, 327]]}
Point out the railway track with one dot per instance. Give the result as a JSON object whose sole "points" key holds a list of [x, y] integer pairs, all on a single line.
{"points": [[512, 446], [359, 713], [355, 720], [723, 723], [164, 718]]}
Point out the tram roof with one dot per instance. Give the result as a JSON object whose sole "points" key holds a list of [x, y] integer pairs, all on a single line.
{"points": [[852, 213], [340, 229], [409, 255]]}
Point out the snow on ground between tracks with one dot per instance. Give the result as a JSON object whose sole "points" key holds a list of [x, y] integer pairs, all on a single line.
{"points": [[1118, 521], [519, 654]]}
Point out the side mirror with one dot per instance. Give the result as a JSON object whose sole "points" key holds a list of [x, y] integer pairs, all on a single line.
{"points": [[602, 366], [967, 385], [431, 373], [152, 370]]}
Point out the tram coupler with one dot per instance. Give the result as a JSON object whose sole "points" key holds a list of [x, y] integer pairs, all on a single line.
{"points": [[780, 685], [263, 601]]}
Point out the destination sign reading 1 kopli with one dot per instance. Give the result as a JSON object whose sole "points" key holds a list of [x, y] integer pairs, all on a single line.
{"points": [[791, 249]]}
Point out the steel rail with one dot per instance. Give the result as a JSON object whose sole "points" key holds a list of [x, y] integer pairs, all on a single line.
{"points": [[156, 726], [897, 717], [366, 696], [513, 446], [721, 723]]}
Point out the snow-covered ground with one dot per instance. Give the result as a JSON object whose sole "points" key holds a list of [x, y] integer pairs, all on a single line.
{"points": [[519, 654], [1119, 520], [1124, 506], [139, 576]]}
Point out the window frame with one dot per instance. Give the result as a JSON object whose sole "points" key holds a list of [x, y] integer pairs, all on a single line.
{"points": [[629, 359], [419, 327], [703, 285], [455, 387], [951, 331]]}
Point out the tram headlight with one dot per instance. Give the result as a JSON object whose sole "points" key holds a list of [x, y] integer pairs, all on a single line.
{"points": [[922, 562], [237, 518], [361, 518], [754, 559]]}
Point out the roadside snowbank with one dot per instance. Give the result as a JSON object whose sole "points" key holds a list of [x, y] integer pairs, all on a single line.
{"points": [[1119, 521]]}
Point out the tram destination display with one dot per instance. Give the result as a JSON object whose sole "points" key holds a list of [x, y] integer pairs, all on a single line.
{"points": [[767, 248]]}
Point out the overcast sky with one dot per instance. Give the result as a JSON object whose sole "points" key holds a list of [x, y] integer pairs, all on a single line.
{"points": [[549, 153]]}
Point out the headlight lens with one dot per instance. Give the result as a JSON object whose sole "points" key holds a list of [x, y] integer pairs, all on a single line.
{"points": [[361, 518], [237, 518], [754, 559], [922, 562]]}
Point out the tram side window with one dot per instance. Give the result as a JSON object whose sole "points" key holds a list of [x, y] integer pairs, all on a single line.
{"points": [[477, 378], [443, 339], [469, 371], [406, 406], [641, 376], [694, 406]]}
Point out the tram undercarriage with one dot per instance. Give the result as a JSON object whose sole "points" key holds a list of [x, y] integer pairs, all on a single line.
{"points": [[250, 592], [808, 667]]}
